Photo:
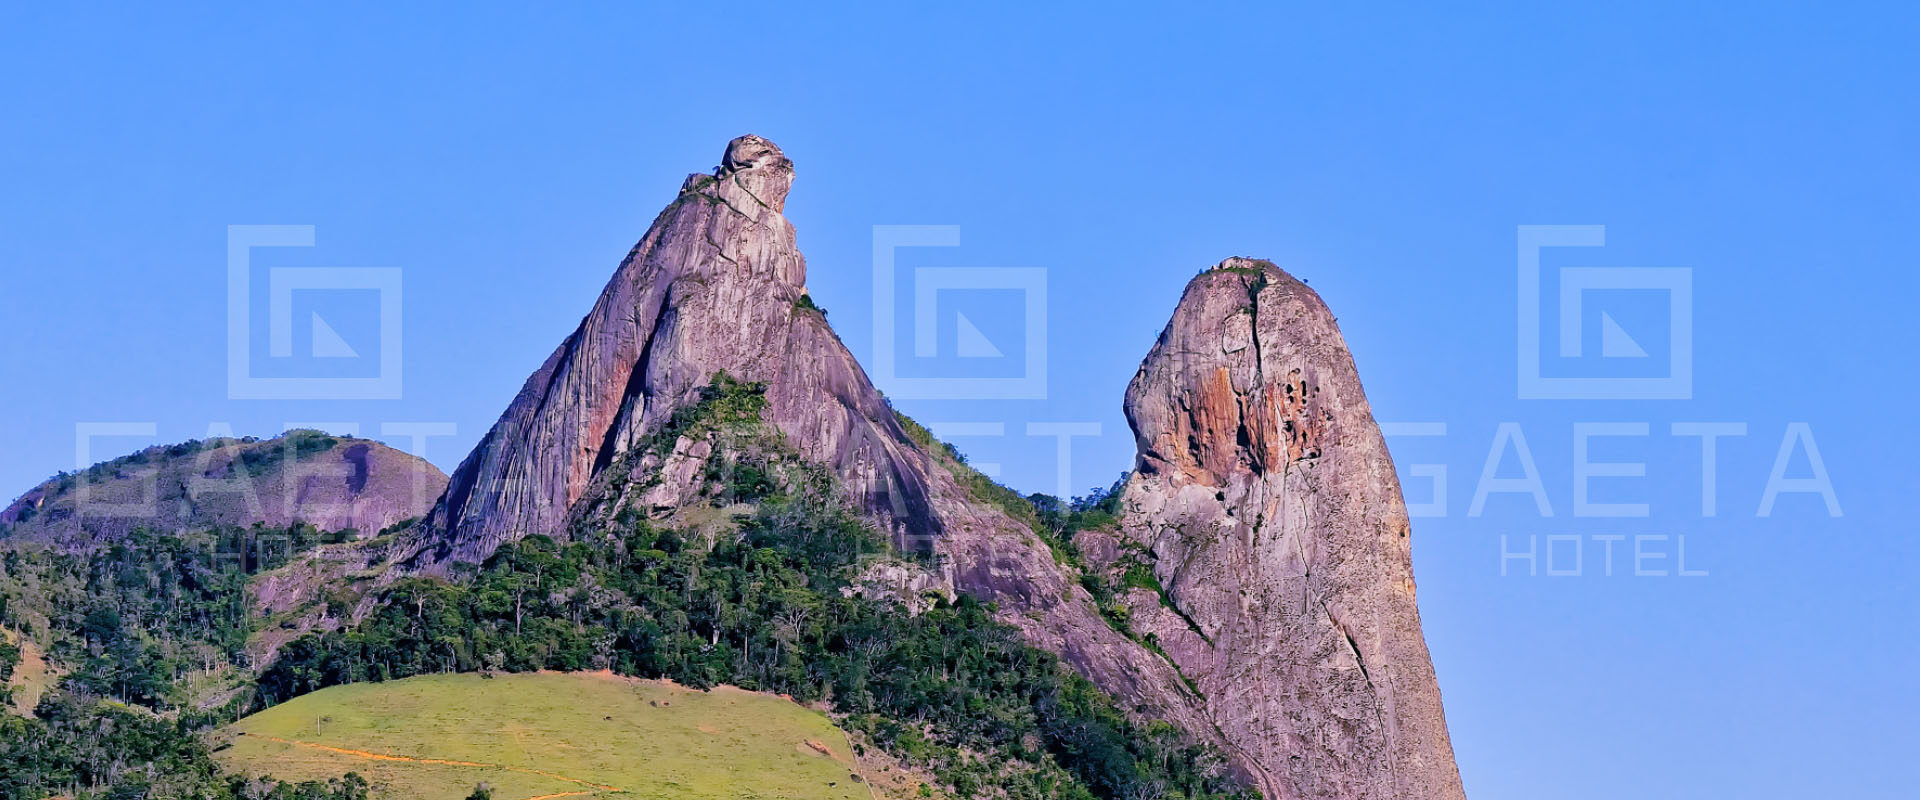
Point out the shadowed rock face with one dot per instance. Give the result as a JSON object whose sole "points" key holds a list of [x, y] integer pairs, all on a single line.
{"points": [[1273, 518], [717, 285], [332, 483]]}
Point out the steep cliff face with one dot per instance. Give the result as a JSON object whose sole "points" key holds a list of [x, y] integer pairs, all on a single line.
{"points": [[1267, 509], [1264, 503], [717, 284]]}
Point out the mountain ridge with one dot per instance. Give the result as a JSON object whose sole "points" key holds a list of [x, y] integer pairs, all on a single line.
{"points": [[333, 483], [1248, 587], [717, 286]]}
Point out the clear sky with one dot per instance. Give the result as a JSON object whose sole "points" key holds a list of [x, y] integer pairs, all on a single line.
{"points": [[504, 160]]}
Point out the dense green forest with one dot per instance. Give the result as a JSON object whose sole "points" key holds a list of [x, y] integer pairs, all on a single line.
{"points": [[136, 619], [134, 627], [756, 601]]}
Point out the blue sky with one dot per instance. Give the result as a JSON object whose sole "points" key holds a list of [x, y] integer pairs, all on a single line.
{"points": [[503, 160]]}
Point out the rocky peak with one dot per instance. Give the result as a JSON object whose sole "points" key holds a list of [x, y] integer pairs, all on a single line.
{"points": [[1264, 497], [1271, 516], [1215, 401], [716, 285], [759, 167]]}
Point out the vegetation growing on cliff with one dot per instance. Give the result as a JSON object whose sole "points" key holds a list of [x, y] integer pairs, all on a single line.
{"points": [[139, 620], [756, 602], [805, 303], [138, 629], [759, 606]]}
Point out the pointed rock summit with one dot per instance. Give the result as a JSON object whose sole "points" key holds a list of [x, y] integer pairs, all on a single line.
{"points": [[1269, 512], [1264, 500], [716, 285]]}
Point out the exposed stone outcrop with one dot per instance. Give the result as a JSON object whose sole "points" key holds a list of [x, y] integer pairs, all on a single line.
{"points": [[1264, 500], [1266, 504], [329, 482], [717, 284]]}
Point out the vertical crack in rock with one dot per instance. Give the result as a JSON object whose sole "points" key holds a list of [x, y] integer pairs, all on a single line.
{"points": [[1262, 490], [1287, 541]]}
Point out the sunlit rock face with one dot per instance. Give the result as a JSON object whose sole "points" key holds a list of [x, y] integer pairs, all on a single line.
{"points": [[716, 285], [1270, 514], [1264, 501]]}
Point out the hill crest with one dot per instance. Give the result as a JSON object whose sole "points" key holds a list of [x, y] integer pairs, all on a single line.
{"points": [[334, 483]]}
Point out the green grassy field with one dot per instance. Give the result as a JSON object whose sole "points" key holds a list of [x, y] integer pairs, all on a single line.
{"points": [[549, 735]]}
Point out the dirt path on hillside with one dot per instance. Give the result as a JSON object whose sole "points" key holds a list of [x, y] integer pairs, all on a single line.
{"points": [[32, 676], [371, 756]]}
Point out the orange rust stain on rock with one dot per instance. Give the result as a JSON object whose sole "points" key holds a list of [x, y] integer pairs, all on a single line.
{"points": [[1274, 425], [1216, 421]]}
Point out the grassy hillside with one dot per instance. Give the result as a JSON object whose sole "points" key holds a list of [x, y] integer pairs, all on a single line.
{"points": [[754, 597], [548, 735], [764, 604]]}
